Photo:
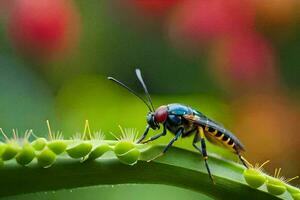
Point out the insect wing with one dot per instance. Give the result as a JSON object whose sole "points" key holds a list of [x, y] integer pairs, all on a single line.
{"points": [[204, 121]]}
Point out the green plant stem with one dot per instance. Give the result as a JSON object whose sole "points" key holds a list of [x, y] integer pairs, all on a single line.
{"points": [[178, 167]]}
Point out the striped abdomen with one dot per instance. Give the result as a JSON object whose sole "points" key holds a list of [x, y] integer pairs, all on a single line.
{"points": [[215, 132], [223, 137]]}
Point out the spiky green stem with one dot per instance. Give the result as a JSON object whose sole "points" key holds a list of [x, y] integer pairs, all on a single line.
{"points": [[178, 167]]}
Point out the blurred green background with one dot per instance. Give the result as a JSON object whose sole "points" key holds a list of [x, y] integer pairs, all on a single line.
{"points": [[236, 62]]}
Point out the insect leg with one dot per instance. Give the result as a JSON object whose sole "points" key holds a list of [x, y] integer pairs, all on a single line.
{"points": [[144, 134], [199, 137], [185, 134], [178, 134], [157, 136], [242, 159]]}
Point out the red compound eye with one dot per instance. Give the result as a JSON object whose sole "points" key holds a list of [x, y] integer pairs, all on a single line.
{"points": [[161, 114]]}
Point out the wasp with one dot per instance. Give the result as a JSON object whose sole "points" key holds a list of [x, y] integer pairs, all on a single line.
{"points": [[183, 121]]}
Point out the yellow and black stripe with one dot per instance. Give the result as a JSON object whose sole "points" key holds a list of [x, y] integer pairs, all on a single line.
{"points": [[215, 133], [220, 137]]}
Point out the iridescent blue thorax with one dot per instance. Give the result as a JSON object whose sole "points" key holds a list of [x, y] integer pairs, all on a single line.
{"points": [[175, 118], [179, 109]]}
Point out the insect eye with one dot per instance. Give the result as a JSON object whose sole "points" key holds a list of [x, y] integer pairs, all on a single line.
{"points": [[150, 120], [161, 114]]}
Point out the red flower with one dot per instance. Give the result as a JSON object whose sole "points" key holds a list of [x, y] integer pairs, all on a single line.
{"points": [[43, 27]]}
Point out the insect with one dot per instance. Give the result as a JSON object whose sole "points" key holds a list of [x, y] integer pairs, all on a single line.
{"points": [[183, 121]]}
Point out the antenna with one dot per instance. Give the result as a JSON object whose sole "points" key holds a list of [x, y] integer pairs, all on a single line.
{"points": [[139, 76], [130, 90]]}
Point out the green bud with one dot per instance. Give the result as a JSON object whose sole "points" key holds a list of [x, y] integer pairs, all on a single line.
{"points": [[79, 150], [127, 152], [2, 148], [99, 151], [254, 177], [39, 144], [57, 146], [46, 158], [10, 151], [275, 186], [123, 147], [26, 155], [131, 157]]}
